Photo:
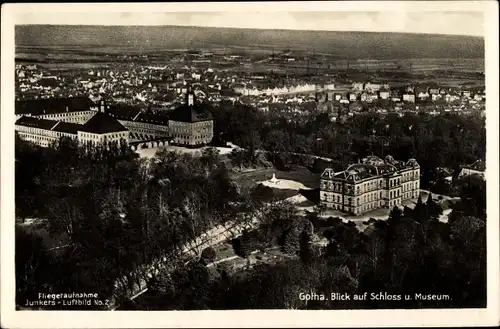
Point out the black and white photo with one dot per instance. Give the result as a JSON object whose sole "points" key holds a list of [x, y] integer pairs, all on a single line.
{"points": [[222, 159]]}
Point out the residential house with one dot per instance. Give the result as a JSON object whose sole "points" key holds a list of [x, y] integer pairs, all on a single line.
{"points": [[374, 87], [384, 93], [396, 96], [433, 91], [358, 86], [408, 97], [436, 97], [477, 168], [451, 97], [367, 97], [423, 95]]}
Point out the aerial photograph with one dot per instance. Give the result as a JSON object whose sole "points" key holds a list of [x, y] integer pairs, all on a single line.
{"points": [[198, 164]]}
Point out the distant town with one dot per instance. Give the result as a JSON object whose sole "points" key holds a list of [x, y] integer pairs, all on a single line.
{"points": [[287, 89]]}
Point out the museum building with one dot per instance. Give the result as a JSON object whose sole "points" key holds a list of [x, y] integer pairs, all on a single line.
{"points": [[371, 184]]}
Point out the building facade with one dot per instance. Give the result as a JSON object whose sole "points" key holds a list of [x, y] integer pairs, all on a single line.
{"points": [[143, 125], [44, 132], [254, 91], [101, 128], [191, 125], [371, 184]]}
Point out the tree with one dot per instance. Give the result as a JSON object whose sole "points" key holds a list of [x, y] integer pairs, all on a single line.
{"points": [[320, 208], [395, 216], [237, 157], [33, 267], [305, 249], [261, 193], [291, 242], [208, 255], [66, 216], [247, 243], [434, 208], [473, 193], [278, 219], [210, 157], [252, 143]]}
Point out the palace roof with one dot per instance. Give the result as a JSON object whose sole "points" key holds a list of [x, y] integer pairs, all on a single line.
{"points": [[191, 114], [36, 123], [370, 166], [102, 123], [130, 113], [67, 127], [53, 105]]}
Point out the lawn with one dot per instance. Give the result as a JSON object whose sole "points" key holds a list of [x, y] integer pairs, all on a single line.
{"points": [[299, 174]]}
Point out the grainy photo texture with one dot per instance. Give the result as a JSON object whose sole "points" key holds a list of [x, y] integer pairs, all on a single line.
{"points": [[192, 161]]}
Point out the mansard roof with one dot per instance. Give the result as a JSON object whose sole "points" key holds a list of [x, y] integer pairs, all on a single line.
{"points": [[412, 163], [371, 166]]}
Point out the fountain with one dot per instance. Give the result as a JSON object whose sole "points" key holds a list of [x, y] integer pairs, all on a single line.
{"points": [[274, 180]]}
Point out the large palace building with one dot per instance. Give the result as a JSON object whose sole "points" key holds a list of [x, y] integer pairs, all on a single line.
{"points": [[72, 109], [191, 125], [371, 184], [100, 128], [143, 125], [43, 121]]}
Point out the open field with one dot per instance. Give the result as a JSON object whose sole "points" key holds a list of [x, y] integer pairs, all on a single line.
{"points": [[90, 55]]}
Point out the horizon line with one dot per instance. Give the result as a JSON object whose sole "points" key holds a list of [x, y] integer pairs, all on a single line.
{"points": [[252, 28]]}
